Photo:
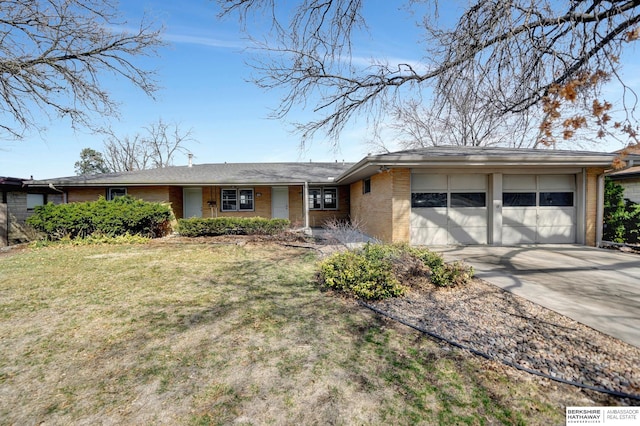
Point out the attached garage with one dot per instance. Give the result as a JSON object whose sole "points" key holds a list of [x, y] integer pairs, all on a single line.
{"points": [[449, 209], [539, 209]]}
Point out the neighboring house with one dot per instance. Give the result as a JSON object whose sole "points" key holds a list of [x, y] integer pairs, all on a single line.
{"points": [[430, 196], [629, 178], [17, 202]]}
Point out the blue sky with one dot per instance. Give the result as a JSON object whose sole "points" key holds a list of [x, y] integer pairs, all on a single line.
{"points": [[203, 75]]}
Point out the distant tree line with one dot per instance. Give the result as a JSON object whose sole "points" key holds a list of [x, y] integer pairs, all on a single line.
{"points": [[155, 147]]}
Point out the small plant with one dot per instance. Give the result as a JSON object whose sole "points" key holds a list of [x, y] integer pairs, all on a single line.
{"points": [[451, 274], [345, 232], [378, 271]]}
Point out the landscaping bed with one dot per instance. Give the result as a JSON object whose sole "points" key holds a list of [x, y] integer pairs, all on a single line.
{"points": [[509, 328]]}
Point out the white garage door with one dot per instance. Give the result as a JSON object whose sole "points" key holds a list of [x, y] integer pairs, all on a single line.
{"points": [[448, 209], [538, 209]]}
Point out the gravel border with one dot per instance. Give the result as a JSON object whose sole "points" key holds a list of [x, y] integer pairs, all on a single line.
{"points": [[507, 327]]}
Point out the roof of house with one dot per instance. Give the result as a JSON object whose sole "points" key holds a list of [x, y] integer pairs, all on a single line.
{"points": [[12, 183], [207, 174], [341, 173], [456, 156]]}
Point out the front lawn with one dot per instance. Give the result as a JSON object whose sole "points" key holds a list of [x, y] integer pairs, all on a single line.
{"points": [[205, 333]]}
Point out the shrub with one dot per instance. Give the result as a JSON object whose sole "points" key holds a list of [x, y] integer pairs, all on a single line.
{"points": [[621, 216], [362, 274], [122, 216], [378, 271], [451, 274], [197, 227]]}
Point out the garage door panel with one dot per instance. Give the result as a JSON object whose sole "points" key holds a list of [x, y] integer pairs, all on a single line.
{"points": [[519, 216], [546, 221], [464, 223], [428, 182], [468, 216], [556, 234], [559, 216], [429, 217], [468, 182], [556, 182], [468, 235]]}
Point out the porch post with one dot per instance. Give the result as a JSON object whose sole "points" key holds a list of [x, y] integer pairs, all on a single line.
{"points": [[305, 204], [599, 211]]}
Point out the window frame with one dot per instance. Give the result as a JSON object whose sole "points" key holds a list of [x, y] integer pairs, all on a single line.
{"points": [[110, 191], [366, 185], [237, 200], [320, 193], [41, 202]]}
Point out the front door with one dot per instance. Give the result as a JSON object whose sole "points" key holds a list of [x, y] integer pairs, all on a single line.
{"points": [[280, 202], [192, 202]]}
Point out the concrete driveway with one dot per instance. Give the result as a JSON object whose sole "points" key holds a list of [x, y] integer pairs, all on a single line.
{"points": [[597, 287]]}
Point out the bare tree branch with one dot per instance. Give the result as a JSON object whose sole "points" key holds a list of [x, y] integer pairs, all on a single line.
{"points": [[517, 50], [54, 55], [156, 147]]}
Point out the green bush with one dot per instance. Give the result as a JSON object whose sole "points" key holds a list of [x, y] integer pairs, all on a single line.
{"points": [[451, 274], [378, 271], [621, 216], [197, 227], [122, 216], [362, 273]]}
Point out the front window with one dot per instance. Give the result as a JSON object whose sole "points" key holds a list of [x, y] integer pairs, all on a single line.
{"points": [[246, 199], [34, 200], [330, 198], [323, 198], [237, 200], [114, 193]]}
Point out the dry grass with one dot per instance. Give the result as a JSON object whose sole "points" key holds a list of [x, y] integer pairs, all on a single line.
{"points": [[223, 333]]}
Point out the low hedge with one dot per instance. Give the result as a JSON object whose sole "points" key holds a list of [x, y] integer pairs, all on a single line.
{"points": [[197, 227], [122, 216]]}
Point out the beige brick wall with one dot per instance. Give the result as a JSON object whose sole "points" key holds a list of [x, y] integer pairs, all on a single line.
{"points": [[80, 195], [401, 204], [384, 212], [296, 206], [591, 222]]}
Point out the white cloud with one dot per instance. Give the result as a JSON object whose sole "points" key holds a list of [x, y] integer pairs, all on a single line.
{"points": [[205, 41]]}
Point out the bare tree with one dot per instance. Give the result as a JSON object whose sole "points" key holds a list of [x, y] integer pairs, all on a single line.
{"points": [[517, 51], [154, 148], [125, 154], [54, 55], [164, 140]]}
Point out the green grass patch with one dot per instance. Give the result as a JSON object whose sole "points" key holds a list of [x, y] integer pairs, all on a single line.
{"points": [[201, 334]]}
